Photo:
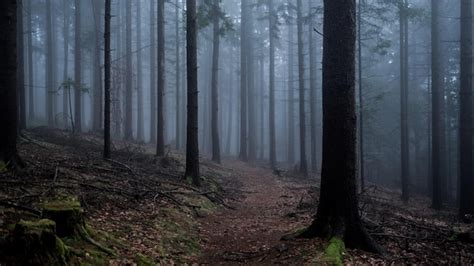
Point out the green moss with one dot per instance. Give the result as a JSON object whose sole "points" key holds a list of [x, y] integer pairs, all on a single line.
{"points": [[334, 252], [67, 214], [36, 226], [70, 204], [3, 167], [143, 260]]}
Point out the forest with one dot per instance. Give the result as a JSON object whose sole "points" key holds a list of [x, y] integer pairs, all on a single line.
{"points": [[236, 132]]}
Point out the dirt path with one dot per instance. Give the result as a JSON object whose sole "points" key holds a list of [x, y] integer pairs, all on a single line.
{"points": [[251, 233]]}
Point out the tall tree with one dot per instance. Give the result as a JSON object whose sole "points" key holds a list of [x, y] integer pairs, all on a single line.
{"points": [[97, 70], [404, 148], [361, 98], [291, 96], [216, 150], [129, 71], [338, 214], [107, 80], [29, 25], [8, 83], [243, 80], [140, 126], [66, 90], [271, 113], [77, 68], [313, 90], [49, 87], [152, 72], [21, 67], [192, 143], [437, 111], [466, 182], [301, 66], [178, 77], [160, 136]]}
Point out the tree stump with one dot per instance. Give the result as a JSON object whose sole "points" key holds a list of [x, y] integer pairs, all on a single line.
{"points": [[68, 216], [33, 243]]}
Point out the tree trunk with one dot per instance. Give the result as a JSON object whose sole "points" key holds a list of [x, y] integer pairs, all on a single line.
{"points": [[152, 72], [192, 144], [178, 79], [31, 102], [243, 81], [361, 100], [251, 88], [21, 67], [404, 149], [216, 149], [271, 112], [302, 116], [466, 205], [291, 97], [77, 69], [49, 87], [140, 126], [66, 92], [160, 137], [312, 93], [338, 213], [107, 55], [8, 83], [438, 116], [128, 74], [97, 74]]}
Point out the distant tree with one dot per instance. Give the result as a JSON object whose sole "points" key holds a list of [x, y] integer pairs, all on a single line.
{"points": [[66, 93], [153, 72], [404, 137], [140, 126], [128, 73], [338, 213], [49, 65], [243, 80], [29, 25], [160, 137], [192, 143], [291, 96], [77, 68], [8, 84], [272, 23], [466, 198], [21, 67], [178, 76], [313, 47], [302, 111], [97, 100], [107, 80]]}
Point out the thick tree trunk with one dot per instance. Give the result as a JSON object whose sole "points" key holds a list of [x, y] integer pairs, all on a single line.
{"points": [[438, 116], [107, 81], [152, 72], [216, 149], [160, 137], [302, 115], [140, 126], [192, 144], [8, 83], [77, 69], [128, 74], [243, 81], [361, 99], [466, 203], [271, 112], [338, 213]]}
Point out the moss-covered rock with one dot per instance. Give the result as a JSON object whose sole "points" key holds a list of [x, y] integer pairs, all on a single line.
{"points": [[68, 216], [33, 243]]}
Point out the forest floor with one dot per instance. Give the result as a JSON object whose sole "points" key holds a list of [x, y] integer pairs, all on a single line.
{"points": [[142, 208]]}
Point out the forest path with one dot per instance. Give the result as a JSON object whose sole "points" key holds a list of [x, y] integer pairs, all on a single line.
{"points": [[251, 233]]}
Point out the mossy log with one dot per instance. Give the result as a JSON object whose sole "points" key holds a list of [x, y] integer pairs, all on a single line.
{"points": [[33, 243], [68, 216]]}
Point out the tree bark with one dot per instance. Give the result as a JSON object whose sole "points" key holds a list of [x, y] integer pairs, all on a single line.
{"points": [[8, 83], [49, 87], [31, 102], [271, 113], [291, 97], [129, 71], [216, 149], [160, 142], [338, 213], [152, 72], [192, 143], [178, 78], [140, 126], [21, 67], [97, 74], [66, 92], [312, 93], [466, 205], [243, 81], [404, 148]]}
